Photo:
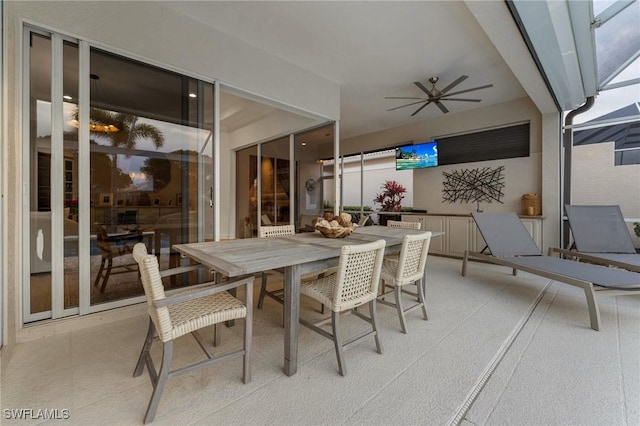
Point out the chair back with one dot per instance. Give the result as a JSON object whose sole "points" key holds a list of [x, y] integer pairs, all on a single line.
{"points": [[276, 231], [154, 290], [102, 238], [599, 229], [404, 225], [358, 274], [413, 257], [505, 234], [363, 220]]}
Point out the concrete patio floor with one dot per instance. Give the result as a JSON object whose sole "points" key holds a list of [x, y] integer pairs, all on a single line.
{"points": [[497, 349]]}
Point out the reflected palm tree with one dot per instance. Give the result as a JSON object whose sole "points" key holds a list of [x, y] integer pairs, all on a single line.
{"points": [[129, 129], [123, 131]]}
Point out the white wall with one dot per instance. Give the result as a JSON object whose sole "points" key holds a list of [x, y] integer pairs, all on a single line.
{"points": [[521, 176], [310, 202], [538, 173]]}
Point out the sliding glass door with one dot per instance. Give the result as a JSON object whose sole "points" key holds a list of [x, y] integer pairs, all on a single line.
{"points": [[117, 152]]}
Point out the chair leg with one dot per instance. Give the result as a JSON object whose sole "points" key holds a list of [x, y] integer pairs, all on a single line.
{"points": [[216, 335], [263, 290], [422, 299], [337, 342], [144, 354], [167, 351], [374, 324], [248, 337], [99, 274], [398, 293], [106, 275], [382, 288]]}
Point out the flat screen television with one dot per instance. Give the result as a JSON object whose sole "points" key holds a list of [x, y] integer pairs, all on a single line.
{"points": [[417, 156]]}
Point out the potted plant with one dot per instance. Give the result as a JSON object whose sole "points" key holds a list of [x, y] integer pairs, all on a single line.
{"points": [[390, 199]]}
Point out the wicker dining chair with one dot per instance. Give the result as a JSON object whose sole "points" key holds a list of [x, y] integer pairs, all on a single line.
{"points": [[408, 268], [187, 312], [272, 232], [278, 294], [404, 225], [354, 284]]}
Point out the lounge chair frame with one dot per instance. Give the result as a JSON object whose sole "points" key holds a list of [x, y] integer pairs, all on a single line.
{"points": [[604, 281]]}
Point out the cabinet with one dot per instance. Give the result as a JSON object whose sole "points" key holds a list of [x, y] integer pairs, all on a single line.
{"points": [[461, 232]]}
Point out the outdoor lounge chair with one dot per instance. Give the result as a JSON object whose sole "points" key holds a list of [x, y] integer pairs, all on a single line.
{"points": [[512, 246], [601, 236]]}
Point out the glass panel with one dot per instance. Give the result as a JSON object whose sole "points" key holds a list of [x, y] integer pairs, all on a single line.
{"points": [[600, 6], [247, 190], [314, 175], [40, 162], [328, 187], [275, 196], [362, 182], [351, 191], [70, 179], [205, 143], [627, 157], [308, 185], [380, 167], [146, 157], [621, 33]]}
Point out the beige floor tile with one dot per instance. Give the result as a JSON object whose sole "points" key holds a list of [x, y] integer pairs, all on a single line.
{"points": [[557, 362]]}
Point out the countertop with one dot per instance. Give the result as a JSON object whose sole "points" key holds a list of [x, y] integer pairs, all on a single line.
{"points": [[445, 214]]}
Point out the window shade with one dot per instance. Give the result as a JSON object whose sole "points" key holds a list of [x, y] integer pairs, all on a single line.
{"points": [[496, 144]]}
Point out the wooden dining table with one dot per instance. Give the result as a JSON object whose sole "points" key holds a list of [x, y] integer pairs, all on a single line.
{"points": [[296, 255]]}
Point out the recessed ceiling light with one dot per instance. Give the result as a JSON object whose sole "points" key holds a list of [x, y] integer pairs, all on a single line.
{"points": [[67, 97], [193, 95], [303, 144]]}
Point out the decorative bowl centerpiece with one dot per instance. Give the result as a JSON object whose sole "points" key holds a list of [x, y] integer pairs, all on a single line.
{"points": [[336, 226]]}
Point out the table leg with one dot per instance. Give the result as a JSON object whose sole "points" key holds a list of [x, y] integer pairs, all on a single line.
{"points": [[291, 317]]}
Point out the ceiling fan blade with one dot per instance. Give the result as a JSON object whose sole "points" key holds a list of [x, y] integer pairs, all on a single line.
{"points": [[423, 88], [470, 90], [401, 97], [406, 105], [460, 99], [420, 109], [454, 84], [442, 107]]}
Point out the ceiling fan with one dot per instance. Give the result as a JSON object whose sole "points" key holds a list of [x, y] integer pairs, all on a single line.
{"points": [[435, 96]]}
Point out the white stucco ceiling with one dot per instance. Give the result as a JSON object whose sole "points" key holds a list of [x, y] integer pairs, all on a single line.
{"points": [[373, 50]]}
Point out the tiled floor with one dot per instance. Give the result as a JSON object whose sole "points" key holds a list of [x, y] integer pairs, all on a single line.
{"points": [[556, 370]]}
